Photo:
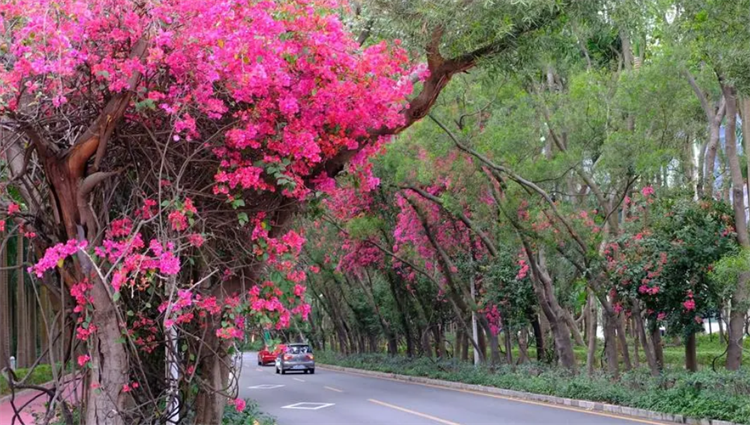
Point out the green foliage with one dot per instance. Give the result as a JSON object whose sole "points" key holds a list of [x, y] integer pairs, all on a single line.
{"points": [[705, 394], [363, 227], [40, 375]]}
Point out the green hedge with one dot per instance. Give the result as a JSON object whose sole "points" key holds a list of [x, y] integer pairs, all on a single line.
{"points": [[717, 395], [41, 374]]}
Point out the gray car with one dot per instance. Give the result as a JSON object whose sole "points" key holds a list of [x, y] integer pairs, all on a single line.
{"points": [[296, 357]]}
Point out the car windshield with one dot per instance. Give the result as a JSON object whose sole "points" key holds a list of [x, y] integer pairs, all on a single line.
{"points": [[299, 349]]}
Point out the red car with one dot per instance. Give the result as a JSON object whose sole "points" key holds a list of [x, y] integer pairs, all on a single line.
{"points": [[265, 356]]}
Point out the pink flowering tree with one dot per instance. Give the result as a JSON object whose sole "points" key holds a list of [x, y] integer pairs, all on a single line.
{"points": [[661, 267], [160, 150]]}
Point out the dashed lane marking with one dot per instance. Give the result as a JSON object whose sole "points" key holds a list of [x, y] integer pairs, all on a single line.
{"points": [[333, 389], [422, 415]]}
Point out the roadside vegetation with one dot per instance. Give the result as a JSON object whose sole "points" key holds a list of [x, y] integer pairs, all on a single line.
{"points": [[720, 395]]}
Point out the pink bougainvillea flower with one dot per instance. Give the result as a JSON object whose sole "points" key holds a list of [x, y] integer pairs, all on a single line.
{"points": [[689, 305], [83, 360], [239, 404], [13, 208]]}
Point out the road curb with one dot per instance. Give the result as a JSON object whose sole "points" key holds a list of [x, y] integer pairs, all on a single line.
{"points": [[520, 395]]}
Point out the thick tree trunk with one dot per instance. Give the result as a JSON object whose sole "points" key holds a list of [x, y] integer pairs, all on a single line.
{"points": [[739, 297], [214, 373], [109, 361]]}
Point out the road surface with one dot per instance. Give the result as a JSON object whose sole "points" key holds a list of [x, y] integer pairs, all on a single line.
{"points": [[334, 398]]}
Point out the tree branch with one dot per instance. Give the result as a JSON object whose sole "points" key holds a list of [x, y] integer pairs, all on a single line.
{"points": [[461, 216]]}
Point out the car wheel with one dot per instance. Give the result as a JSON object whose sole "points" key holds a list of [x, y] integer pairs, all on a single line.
{"points": [[312, 371], [259, 363], [283, 372], [305, 371]]}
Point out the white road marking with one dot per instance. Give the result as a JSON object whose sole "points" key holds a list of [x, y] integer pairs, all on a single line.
{"points": [[308, 406], [300, 380], [333, 389], [264, 387]]}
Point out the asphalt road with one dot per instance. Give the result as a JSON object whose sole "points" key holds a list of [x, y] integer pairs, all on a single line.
{"points": [[330, 398]]}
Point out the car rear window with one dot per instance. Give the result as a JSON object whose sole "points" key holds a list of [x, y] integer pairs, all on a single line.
{"points": [[299, 349]]}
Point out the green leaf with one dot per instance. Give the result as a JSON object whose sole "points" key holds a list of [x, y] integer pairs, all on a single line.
{"points": [[116, 297], [243, 218]]}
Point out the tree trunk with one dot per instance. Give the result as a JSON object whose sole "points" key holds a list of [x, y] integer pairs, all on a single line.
{"points": [[426, 349], [508, 346], [458, 346], [109, 361], [647, 348], [523, 346], [591, 328], [439, 341], [576, 334], [636, 343], [494, 348], [214, 372], [401, 308], [744, 106], [482, 342], [538, 338], [739, 297], [623, 343], [23, 355], [5, 327], [658, 346], [464, 345], [691, 357], [610, 345]]}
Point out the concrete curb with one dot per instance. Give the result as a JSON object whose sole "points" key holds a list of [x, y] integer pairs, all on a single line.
{"points": [[520, 395]]}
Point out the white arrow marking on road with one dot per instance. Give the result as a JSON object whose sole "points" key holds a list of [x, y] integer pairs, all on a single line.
{"points": [[308, 406], [264, 387]]}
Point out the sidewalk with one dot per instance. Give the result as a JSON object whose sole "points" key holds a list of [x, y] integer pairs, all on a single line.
{"points": [[37, 406]]}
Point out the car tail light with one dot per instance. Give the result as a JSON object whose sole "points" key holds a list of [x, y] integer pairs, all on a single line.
{"points": [[287, 356], [310, 357]]}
